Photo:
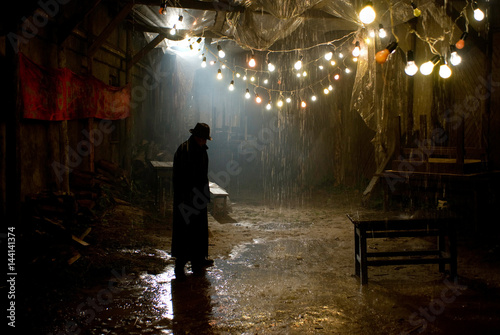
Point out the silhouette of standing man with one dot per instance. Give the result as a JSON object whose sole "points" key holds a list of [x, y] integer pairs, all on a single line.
{"points": [[191, 197]]}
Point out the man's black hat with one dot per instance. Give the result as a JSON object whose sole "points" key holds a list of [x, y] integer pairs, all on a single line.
{"points": [[201, 130]]}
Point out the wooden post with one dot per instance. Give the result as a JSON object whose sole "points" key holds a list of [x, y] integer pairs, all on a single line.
{"points": [[63, 132]]}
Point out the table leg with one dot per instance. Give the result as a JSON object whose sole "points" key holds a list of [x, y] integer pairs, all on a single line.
{"points": [[363, 258], [356, 252]]}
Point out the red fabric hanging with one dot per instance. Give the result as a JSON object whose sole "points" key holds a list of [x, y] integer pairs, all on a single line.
{"points": [[60, 94]]}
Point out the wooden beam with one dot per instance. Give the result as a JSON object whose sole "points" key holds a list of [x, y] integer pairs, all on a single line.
{"points": [[150, 46], [65, 29], [110, 27], [221, 5]]}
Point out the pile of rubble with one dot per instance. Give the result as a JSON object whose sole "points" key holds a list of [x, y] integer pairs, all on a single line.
{"points": [[57, 223]]}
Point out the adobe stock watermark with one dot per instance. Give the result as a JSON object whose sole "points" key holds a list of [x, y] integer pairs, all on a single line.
{"points": [[232, 169], [89, 309], [454, 116], [436, 307]]}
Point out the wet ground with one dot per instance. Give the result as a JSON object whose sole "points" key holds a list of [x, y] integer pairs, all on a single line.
{"points": [[278, 270]]}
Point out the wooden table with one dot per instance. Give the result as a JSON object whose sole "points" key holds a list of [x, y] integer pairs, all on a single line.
{"points": [[163, 171], [384, 225]]}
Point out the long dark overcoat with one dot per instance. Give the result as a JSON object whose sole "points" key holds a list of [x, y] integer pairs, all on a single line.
{"points": [[191, 197]]}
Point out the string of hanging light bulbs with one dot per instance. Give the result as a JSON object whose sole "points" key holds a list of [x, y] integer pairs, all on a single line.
{"points": [[367, 15]]}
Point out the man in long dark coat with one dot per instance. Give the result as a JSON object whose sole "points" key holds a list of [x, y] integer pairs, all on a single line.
{"points": [[191, 197]]}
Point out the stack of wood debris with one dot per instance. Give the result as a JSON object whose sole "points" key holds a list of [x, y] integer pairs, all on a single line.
{"points": [[58, 223]]}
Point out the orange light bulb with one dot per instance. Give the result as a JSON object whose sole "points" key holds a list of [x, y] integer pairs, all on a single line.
{"points": [[382, 55], [461, 42]]}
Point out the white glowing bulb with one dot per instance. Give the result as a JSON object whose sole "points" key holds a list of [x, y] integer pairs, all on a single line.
{"points": [[280, 103], [444, 71], [252, 62], [356, 50], [367, 14], [355, 59], [381, 32], [336, 76], [303, 104], [244, 78], [219, 74], [341, 55], [299, 75], [347, 70], [314, 98], [231, 85], [333, 63], [266, 81], [330, 87], [478, 14], [204, 62], [247, 94], [455, 58], [298, 64], [271, 67], [426, 68], [288, 100], [326, 90], [258, 99], [328, 55], [411, 68], [304, 74], [268, 106], [173, 31], [252, 78], [320, 67], [238, 75], [221, 52]]}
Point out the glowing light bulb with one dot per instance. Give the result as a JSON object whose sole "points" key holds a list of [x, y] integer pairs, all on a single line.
{"points": [[266, 81], [427, 67], [461, 42], [268, 106], [314, 98], [298, 64], [347, 70], [219, 74], [221, 52], [238, 75], [326, 90], [303, 104], [258, 99], [444, 69], [270, 67], [478, 13], [247, 94], [328, 55], [173, 31], [252, 62], [330, 88], [356, 50], [280, 103], [367, 14], [416, 12], [341, 55], [382, 55], [231, 85], [304, 74], [288, 100], [245, 77], [381, 31], [204, 62], [411, 68], [455, 58], [320, 67], [252, 78], [336, 76], [333, 63]]}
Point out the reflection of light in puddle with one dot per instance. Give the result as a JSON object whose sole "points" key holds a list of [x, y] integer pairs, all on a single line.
{"points": [[161, 286]]}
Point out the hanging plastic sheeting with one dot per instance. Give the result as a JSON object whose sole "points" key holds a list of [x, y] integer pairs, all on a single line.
{"points": [[194, 21]]}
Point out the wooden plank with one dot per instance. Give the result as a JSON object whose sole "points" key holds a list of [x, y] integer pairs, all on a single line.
{"points": [[110, 27], [144, 51]]}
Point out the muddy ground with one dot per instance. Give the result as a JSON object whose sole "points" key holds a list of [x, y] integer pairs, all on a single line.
{"points": [[278, 270]]}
